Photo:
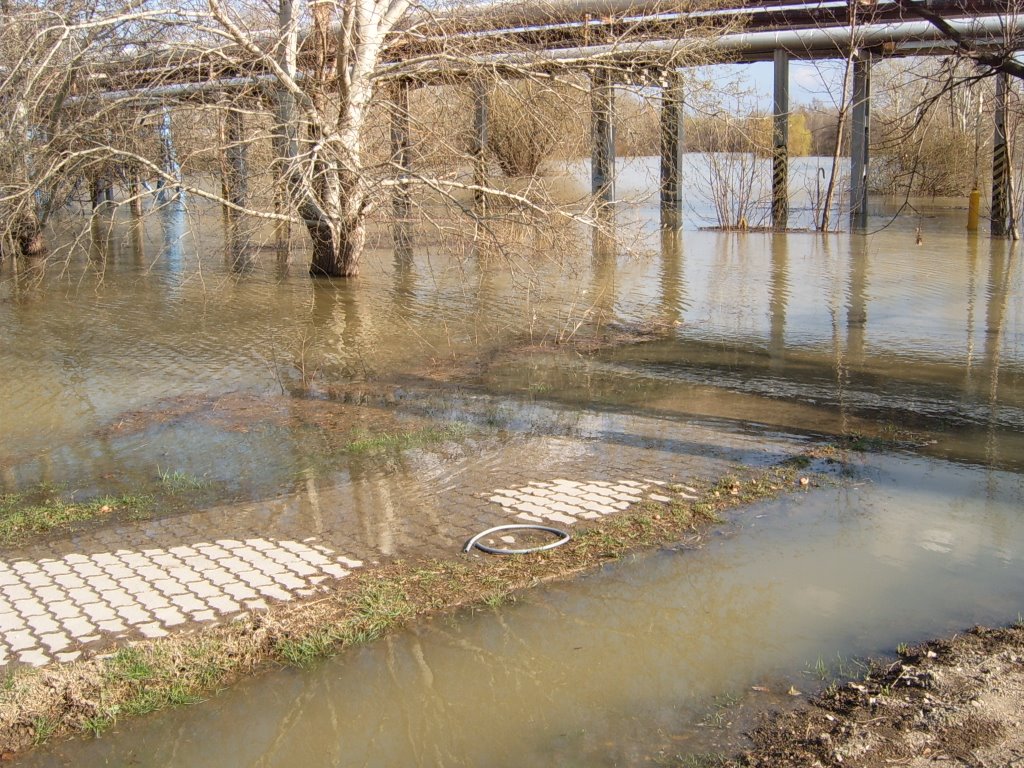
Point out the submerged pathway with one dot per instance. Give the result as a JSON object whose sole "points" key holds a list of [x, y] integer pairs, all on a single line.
{"points": [[66, 598]]}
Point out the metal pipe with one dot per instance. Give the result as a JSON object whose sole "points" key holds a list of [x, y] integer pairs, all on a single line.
{"points": [[502, 16], [798, 42], [899, 38]]}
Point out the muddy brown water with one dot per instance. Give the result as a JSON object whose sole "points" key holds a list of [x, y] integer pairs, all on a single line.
{"points": [[154, 352]]}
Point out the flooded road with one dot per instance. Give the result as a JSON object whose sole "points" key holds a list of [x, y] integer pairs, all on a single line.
{"points": [[651, 659], [381, 416]]}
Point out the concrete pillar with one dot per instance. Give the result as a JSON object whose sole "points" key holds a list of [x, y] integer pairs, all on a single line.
{"points": [[400, 156], [671, 150], [102, 192], [481, 111], [859, 142], [1002, 223], [135, 192], [602, 132], [169, 161], [237, 167], [780, 143]]}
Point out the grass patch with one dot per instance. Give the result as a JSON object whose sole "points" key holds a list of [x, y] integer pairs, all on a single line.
{"points": [[380, 442], [180, 482], [129, 664], [702, 760], [46, 509], [89, 695]]}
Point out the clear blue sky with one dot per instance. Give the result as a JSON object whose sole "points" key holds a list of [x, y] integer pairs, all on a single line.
{"points": [[808, 80]]}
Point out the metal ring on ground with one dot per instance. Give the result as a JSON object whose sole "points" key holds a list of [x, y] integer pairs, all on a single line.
{"points": [[475, 541]]}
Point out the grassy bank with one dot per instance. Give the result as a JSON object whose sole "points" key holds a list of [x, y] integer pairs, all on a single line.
{"points": [[24, 516], [90, 695]]}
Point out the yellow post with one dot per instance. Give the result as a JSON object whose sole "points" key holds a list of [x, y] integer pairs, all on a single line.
{"points": [[973, 207]]}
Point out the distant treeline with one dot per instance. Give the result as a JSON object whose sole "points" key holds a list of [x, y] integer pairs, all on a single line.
{"points": [[812, 131], [942, 151]]}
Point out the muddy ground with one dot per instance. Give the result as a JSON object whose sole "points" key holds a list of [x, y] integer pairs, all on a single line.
{"points": [[951, 702]]}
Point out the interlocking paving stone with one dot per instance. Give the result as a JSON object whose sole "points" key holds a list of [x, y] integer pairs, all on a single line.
{"points": [[145, 592], [148, 578]]}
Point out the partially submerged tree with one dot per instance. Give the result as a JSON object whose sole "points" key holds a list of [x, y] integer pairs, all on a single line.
{"points": [[56, 142], [315, 80]]}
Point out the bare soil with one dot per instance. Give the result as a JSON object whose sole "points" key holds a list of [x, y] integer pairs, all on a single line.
{"points": [[952, 702]]}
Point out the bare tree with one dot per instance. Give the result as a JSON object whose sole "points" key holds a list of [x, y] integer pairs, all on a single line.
{"points": [[311, 84]]}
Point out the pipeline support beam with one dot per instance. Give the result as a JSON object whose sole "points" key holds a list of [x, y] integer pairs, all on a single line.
{"points": [[169, 162], [602, 134], [401, 203], [102, 192], [481, 113], [236, 183], [859, 142], [671, 150], [1002, 223], [780, 143]]}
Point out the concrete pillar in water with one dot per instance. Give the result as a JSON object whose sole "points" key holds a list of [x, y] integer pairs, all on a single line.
{"points": [[602, 132], [135, 192], [671, 150], [169, 162], [481, 111], [236, 175], [400, 141], [1002, 220], [780, 143], [102, 192], [859, 142]]}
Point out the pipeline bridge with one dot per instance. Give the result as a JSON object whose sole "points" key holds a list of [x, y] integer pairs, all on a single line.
{"points": [[624, 42]]}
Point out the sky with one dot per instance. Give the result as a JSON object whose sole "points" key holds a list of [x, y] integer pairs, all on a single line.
{"points": [[808, 80]]}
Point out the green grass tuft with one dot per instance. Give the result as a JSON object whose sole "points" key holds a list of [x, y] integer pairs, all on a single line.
{"points": [[180, 482], [381, 442], [23, 515]]}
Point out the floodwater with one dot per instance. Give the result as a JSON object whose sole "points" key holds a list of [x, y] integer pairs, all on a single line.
{"points": [[152, 351]]}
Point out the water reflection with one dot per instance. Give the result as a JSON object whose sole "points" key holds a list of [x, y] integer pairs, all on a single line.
{"points": [[136, 235], [102, 238], [402, 238], [173, 225], [603, 287], [673, 296], [239, 249], [799, 330], [778, 289], [857, 299]]}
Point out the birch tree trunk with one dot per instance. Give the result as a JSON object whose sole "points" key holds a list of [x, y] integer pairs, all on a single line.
{"points": [[324, 171]]}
